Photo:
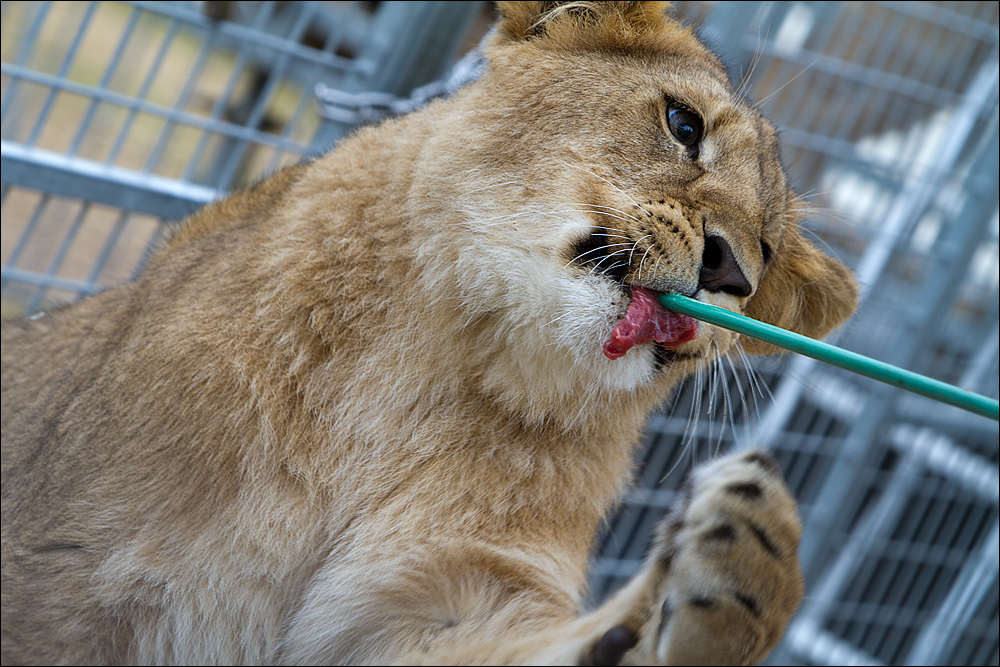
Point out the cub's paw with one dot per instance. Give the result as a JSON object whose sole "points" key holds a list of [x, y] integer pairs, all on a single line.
{"points": [[731, 551], [721, 582]]}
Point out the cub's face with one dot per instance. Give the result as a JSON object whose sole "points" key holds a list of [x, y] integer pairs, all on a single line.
{"points": [[610, 171]]}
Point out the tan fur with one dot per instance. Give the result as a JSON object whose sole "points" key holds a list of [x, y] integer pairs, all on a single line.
{"points": [[360, 413]]}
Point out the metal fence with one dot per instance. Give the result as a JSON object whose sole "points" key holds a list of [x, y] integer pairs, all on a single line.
{"points": [[117, 116]]}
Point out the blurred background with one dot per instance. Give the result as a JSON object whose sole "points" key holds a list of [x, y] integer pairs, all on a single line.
{"points": [[119, 118]]}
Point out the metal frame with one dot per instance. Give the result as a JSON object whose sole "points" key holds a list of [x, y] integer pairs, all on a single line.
{"points": [[398, 46], [876, 472]]}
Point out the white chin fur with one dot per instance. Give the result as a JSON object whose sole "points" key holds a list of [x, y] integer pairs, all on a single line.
{"points": [[561, 329], [554, 319]]}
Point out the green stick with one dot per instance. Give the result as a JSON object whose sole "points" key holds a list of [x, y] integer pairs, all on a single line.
{"points": [[856, 363]]}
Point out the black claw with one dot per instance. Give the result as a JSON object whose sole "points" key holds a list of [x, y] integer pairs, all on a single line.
{"points": [[610, 648]]}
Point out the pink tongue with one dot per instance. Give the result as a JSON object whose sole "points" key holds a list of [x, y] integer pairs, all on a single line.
{"points": [[647, 320]]}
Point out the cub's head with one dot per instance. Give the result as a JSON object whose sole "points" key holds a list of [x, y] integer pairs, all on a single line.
{"points": [[603, 157]]}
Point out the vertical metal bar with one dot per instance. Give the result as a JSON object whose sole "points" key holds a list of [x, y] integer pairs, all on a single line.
{"points": [[933, 67], [964, 241], [837, 494], [908, 206], [63, 69], [208, 45], [882, 515], [306, 101], [799, 110], [263, 15], [26, 235], [975, 373], [938, 638], [27, 45], [339, 28], [822, 648], [57, 261], [293, 124], [814, 111], [405, 50], [893, 595], [796, 106], [143, 92], [106, 77], [275, 75], [800, 464], [107, 248]]}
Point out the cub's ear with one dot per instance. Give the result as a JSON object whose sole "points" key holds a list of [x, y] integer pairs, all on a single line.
{"points": [[802, 290], [571, 21]]}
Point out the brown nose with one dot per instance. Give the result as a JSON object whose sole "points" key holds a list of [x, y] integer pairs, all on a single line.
{"points": [[719, 269]]}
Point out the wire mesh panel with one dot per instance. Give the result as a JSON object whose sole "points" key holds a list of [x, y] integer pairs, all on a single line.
{"points": [[888, 113], [117, 116], [146, 109]]}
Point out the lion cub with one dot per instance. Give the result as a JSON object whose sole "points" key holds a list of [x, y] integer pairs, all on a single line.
{"points": [[374, 409]]}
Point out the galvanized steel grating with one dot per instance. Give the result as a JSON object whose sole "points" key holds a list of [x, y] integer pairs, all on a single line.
{"points": [[888, 113], [118, 116], [156, 108]]}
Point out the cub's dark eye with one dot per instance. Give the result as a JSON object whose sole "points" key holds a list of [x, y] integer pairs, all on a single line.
{"points": [[766, 251], [684, 125]]}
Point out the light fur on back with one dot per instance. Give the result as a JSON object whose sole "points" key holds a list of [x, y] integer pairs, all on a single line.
{"points": [[360, 412]]}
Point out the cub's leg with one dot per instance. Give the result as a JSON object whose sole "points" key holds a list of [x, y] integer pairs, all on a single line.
{"points": [[721, 583], [722, 580]]}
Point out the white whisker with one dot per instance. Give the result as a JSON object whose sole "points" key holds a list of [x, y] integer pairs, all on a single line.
{"points": [[643, 259], [758, 53], [602, 248], [609, 208], [607, 268], [636, 245], [574, 210], [805, 69]]}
